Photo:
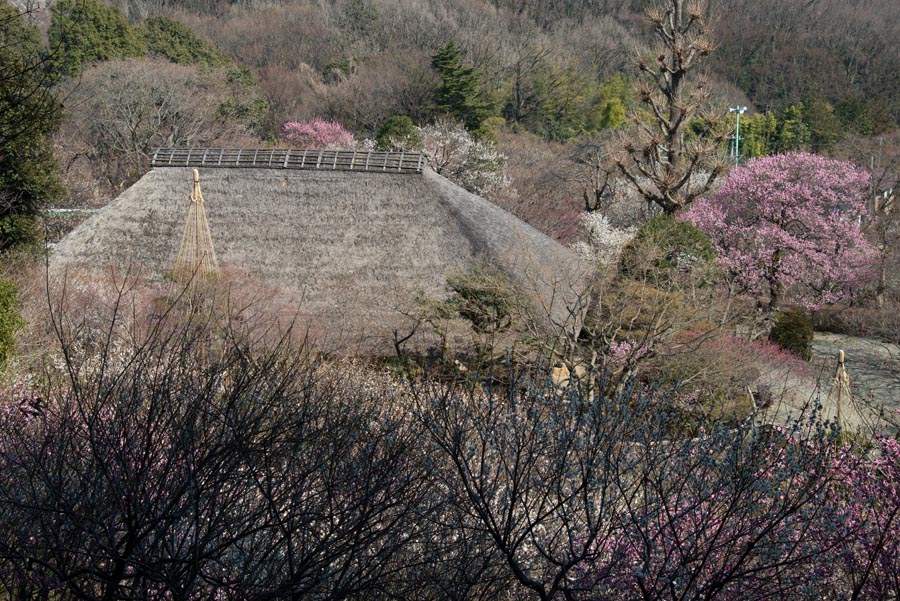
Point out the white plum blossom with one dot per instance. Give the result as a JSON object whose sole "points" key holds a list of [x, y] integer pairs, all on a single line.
{"points": [[604, 243], [451, 151]]}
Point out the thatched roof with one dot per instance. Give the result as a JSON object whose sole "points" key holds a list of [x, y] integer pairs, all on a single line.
{"points": [[350, 248]]}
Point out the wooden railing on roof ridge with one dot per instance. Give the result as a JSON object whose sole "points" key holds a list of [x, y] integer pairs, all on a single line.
{"points": [[290, 158]]}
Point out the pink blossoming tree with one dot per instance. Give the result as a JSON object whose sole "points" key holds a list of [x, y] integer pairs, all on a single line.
{"points": [[787, 227], [317, 134]]}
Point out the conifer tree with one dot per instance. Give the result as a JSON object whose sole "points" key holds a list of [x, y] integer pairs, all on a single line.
{"points": [[665, 167], [458, 95]]}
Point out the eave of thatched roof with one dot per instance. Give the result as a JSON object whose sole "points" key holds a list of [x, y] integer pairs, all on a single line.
{"points": [[351, 249]]}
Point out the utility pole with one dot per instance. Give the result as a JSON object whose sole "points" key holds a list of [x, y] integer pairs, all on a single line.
{"points": [[738, 111]]}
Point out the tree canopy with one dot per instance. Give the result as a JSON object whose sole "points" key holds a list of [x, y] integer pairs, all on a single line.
{"points": [[83, 32], [458, 95], [787, 227], [178, 43], [29, 114]]}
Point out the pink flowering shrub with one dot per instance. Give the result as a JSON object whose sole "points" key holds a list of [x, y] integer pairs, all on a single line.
{"points": [[870, 555], [780, 515], [625, 352], [787, 228], [317, 134], [595, 496]]}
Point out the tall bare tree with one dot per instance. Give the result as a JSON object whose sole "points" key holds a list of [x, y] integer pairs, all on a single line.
{"points": [[665, 165]]}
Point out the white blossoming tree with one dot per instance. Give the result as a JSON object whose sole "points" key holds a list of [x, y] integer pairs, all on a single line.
{"points": [[604, 243], [451, 151]]}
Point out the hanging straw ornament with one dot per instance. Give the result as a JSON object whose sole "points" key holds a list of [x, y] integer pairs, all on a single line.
{"points": [[196, 260]]}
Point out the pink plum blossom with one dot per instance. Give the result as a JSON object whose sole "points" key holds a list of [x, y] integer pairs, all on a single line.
{"points": [[317, 134], [788, 228]]}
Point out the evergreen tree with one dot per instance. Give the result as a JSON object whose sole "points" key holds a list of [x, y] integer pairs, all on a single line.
{"points": [[769, 133], [179, 44], [612, 114], [824, 125], [459, 93], [29, 113], [87, 31]]}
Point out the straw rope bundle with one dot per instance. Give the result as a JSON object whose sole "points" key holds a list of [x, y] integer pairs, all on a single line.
{"points": [[840, 406], [196, 260]]}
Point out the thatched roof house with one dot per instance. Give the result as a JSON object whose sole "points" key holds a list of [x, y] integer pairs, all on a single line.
{"points": [[349, 240]]}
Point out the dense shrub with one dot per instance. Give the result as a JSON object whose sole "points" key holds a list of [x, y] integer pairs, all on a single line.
{"points": [[594, 497], [172, 467], [397, 132], [793, 331], [714, 372], [485, 298], [634, 310], [192, 460], [664, 249], [878, 322]]}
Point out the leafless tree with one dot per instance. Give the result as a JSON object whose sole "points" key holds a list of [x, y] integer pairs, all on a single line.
{"points": [[665, 166], [191, 460], [120, 110]]}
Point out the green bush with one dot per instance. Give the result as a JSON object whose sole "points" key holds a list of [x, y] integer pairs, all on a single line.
{"points": [[793, 331], [664, 248], [397, 132], [10, 322], [634, 310], [486, 298]]}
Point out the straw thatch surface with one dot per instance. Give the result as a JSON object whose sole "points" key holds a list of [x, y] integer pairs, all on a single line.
{"points": [[351, 249]]}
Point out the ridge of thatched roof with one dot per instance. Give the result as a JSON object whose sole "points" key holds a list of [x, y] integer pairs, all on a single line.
{"points": [[291, 158], [353, 249]]}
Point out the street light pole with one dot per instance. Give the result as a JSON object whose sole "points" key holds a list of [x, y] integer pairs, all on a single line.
{"points": [[738, 111]]}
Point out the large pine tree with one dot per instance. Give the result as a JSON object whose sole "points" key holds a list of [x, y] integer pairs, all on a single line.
{"points": [[459, 94]]}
